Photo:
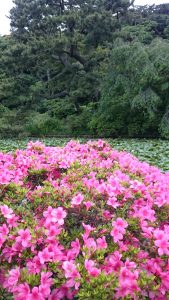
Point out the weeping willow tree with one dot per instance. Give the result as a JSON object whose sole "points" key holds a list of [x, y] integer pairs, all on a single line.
{"points": [[135, 92]]}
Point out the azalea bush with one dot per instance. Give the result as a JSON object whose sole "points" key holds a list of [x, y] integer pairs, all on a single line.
{"points": [[82, 222]]}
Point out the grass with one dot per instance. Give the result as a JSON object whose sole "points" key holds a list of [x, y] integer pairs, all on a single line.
{"points": [[155, 152]]}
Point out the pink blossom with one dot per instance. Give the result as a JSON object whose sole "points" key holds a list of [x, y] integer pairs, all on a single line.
{"points": [[113, 202], [88, 229], [101, 243], [58, 215], [113, 262], [120, 224], [77, 200], [4, 230], [107, 215], [146, 213], [35, 294], [92, 270], [6, 211], [61, 293], [76, 247], [12, 221], [90, 243], [12, 278], [53, 230], [127, 283], [24, 237], [88, 204], [70, 270], [116, 234], [163, 246], [21, 291], [55, 215], [44, 256], [119, 229], [45, 290], [2, 239], [46, 278], [35, 265]]}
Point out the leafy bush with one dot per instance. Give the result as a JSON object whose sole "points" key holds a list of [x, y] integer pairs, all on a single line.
{"points": [[11, 123], [42, 124], [82, 222], [134, 96]]}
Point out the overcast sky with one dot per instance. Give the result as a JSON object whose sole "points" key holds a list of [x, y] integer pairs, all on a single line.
{"points": [[6, 5]]}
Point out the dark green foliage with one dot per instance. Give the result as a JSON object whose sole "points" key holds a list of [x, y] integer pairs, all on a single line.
{"points": [[85, 67], [135, 94]]}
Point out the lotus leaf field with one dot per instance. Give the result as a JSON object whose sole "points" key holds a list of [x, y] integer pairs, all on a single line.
{"points": [[84, 221]]}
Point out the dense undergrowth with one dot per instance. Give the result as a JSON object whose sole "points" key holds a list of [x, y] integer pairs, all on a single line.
{"points": [[82, 222]]}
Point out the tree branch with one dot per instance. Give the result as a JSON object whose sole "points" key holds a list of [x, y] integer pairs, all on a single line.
{"points": [[58, 95]]}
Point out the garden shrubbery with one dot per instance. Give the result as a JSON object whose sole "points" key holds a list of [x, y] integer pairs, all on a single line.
{"points": [[82, 222]]}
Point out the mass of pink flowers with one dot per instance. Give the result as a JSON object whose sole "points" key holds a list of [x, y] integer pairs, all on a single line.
{"points": [[82, 222]]}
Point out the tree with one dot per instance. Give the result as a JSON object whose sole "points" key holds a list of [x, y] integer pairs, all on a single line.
{"points": [[135, 95], [69, 40]]}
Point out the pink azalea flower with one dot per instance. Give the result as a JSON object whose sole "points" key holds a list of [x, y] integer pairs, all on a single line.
{"points": [[21, 291], [55, 215], [44, 256], [88, 229], [2, 239], [101, 243], [45, 290], [35, 265], [58, 215], [113, 262], [163, 247], [24, 237], [165, 280], [13, 277], [70, 270], [46, 278], [6, 211], [116, 234], [12, 221], [127, 283], [61, 293], [90, 243], [92, 270], [35, 295], [119, 229], [120, 224], [75, 247], [107, 215], [113, 202], [4, 230], [159, 234], [146, 213], [53, 231], [48, 214], [88, 204], [77, 200]]}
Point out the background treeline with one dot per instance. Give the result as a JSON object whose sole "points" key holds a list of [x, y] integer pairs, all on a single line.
{"points": [[94, 67]]}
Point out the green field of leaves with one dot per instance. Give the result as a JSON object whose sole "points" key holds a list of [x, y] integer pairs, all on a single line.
{"points": [[155, 152]]}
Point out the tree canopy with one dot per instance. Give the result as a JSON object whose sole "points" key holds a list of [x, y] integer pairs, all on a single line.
{"points": [[96, 67]]}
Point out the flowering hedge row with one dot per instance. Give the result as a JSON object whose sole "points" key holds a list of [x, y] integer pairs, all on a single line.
{"points": [[82, 222]]}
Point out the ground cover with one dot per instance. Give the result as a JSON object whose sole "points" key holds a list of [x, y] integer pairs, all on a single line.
{"points": [[82, 222]]}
